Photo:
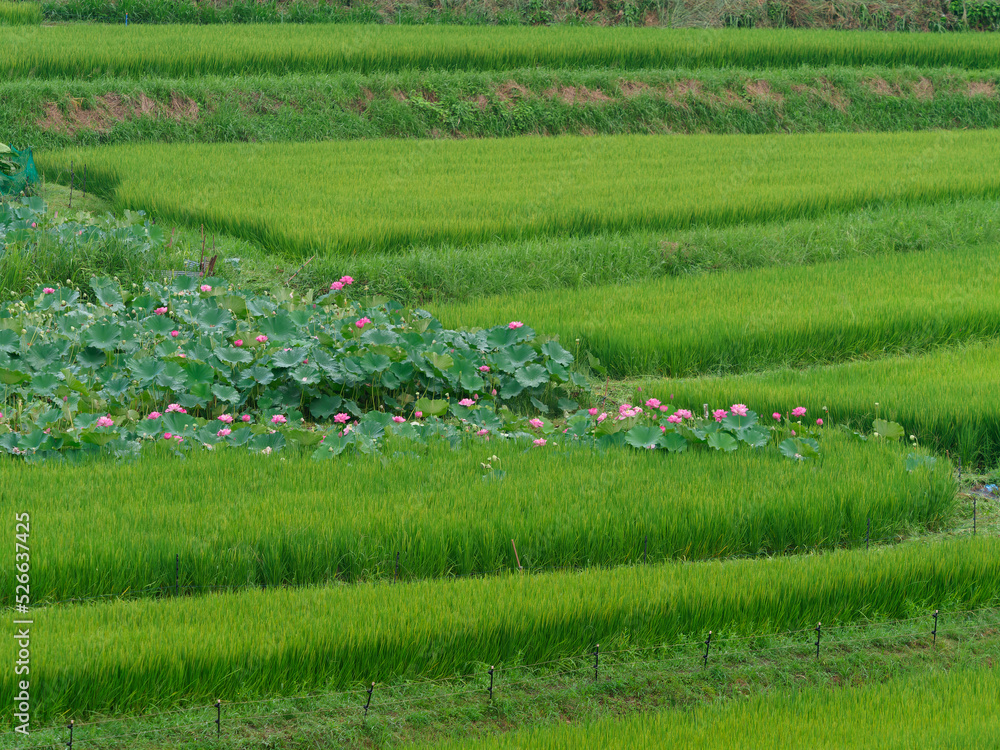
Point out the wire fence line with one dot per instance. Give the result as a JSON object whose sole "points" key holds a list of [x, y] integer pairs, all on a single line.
{"points": [[402, 574], [693, 652]]}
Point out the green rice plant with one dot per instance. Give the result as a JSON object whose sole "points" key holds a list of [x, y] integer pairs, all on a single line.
{"points": [[928, 710], [352, 197], [141, 50], [769, 317], [20, 13], [262, 521], [946, 399], [124, 657]]}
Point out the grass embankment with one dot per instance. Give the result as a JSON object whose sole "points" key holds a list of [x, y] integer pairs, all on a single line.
{"points": [[766, 318], [20, 13], [955, 709], [125, 656], [178, 50], [262, 522], [947, 399], [390, 193], [57, 113]]}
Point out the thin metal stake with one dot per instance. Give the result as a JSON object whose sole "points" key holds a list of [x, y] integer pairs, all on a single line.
{"points": [[934, 632], [218, 718], [516, 556], [705, 408], [70, 742], [491, 684], [369, 699], [819, 634], [597, 659], [708, 644]]}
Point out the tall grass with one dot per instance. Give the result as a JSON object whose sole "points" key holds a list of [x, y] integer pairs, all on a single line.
{"points": [[947, 399], [260, 522], [139, 50], [930, 710], [356, 196], [123, 657], [20, 13], [770, 317]]}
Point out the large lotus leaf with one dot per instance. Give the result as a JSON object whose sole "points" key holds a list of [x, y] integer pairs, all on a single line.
{"points": [[13, 377], [554, 350], [145, 370], [735, 422], [375, 362], [643, 436], [303, 438], [199, 372], [532, 376], [176, 422], [501, 337], [290, 358], [9, 341], [91, 357], [673, 442], [756, 436], [44, 385], [306, 375], [559, 373], [278, 328], [274, 440], [104, 334], [160, 325], [431, 408], [442, 362], [891, 430], [260, 374], [324, 406], [115, 387], [107, 294], [469, 377], [99, 438], [381, 337], [226, 393], [148, 428], [800, 448], [233, 355], [510, 389], [172, 376], [213, 317], [722, 441], [520, 355], [234, 303]]}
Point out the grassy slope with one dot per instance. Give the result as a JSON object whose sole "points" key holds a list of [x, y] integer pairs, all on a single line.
{"points": [[54, 113], [279, 522], [765, 317], [124, 656]]}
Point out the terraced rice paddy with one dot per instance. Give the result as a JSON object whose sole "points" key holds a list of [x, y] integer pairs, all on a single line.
{"points": [[849, 273]]}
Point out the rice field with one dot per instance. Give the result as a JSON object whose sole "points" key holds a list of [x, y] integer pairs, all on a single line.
{"points": [[767, 317], [359, 196], [122, 657], [266, 523], [944, 709], [947, 399], [19, 13], [180, 50]]}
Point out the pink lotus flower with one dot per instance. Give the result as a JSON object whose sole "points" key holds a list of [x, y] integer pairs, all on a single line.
{"points": [[261, 339], [482, 432], [34, 225], [167, 436], [418, 414], [603, 415], [793, 433], [341, 418], [106, 421], [684, 414], [399, 419], [238, 342], [175, 334], [362, 322], [278, 419], [176, 407], [799, 411], [223, 432], [674, 419], [719, 414], [182, 355], [493, 392], [592, 411], [160, 311], [653, 403], [664, 408], [245, 418], [540, 442], [819, 422], [227, 418], [336, 286], [466, 402], [346, 280], [515, 324], [663, 428], [206, 288], [48, 290], [536, 423], [154, 415], [739, 410], [484, 368], [777, 416]]}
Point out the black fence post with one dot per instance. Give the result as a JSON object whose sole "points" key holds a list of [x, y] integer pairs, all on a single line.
{"points": [[708, 645], [69, 743], [491, 684], [819, 635], [974, 515], [934, 632], [218, 718], [597, 659], [369, 699]]}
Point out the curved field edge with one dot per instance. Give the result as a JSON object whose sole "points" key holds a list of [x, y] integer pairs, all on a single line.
{"points": [[362, 196], [55, 113], [932, 710], [179, 50], [945, 399], [124, 656], [444, 513]]}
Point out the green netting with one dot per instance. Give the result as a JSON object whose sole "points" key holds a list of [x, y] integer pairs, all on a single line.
{"points": [[24, 171]]}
